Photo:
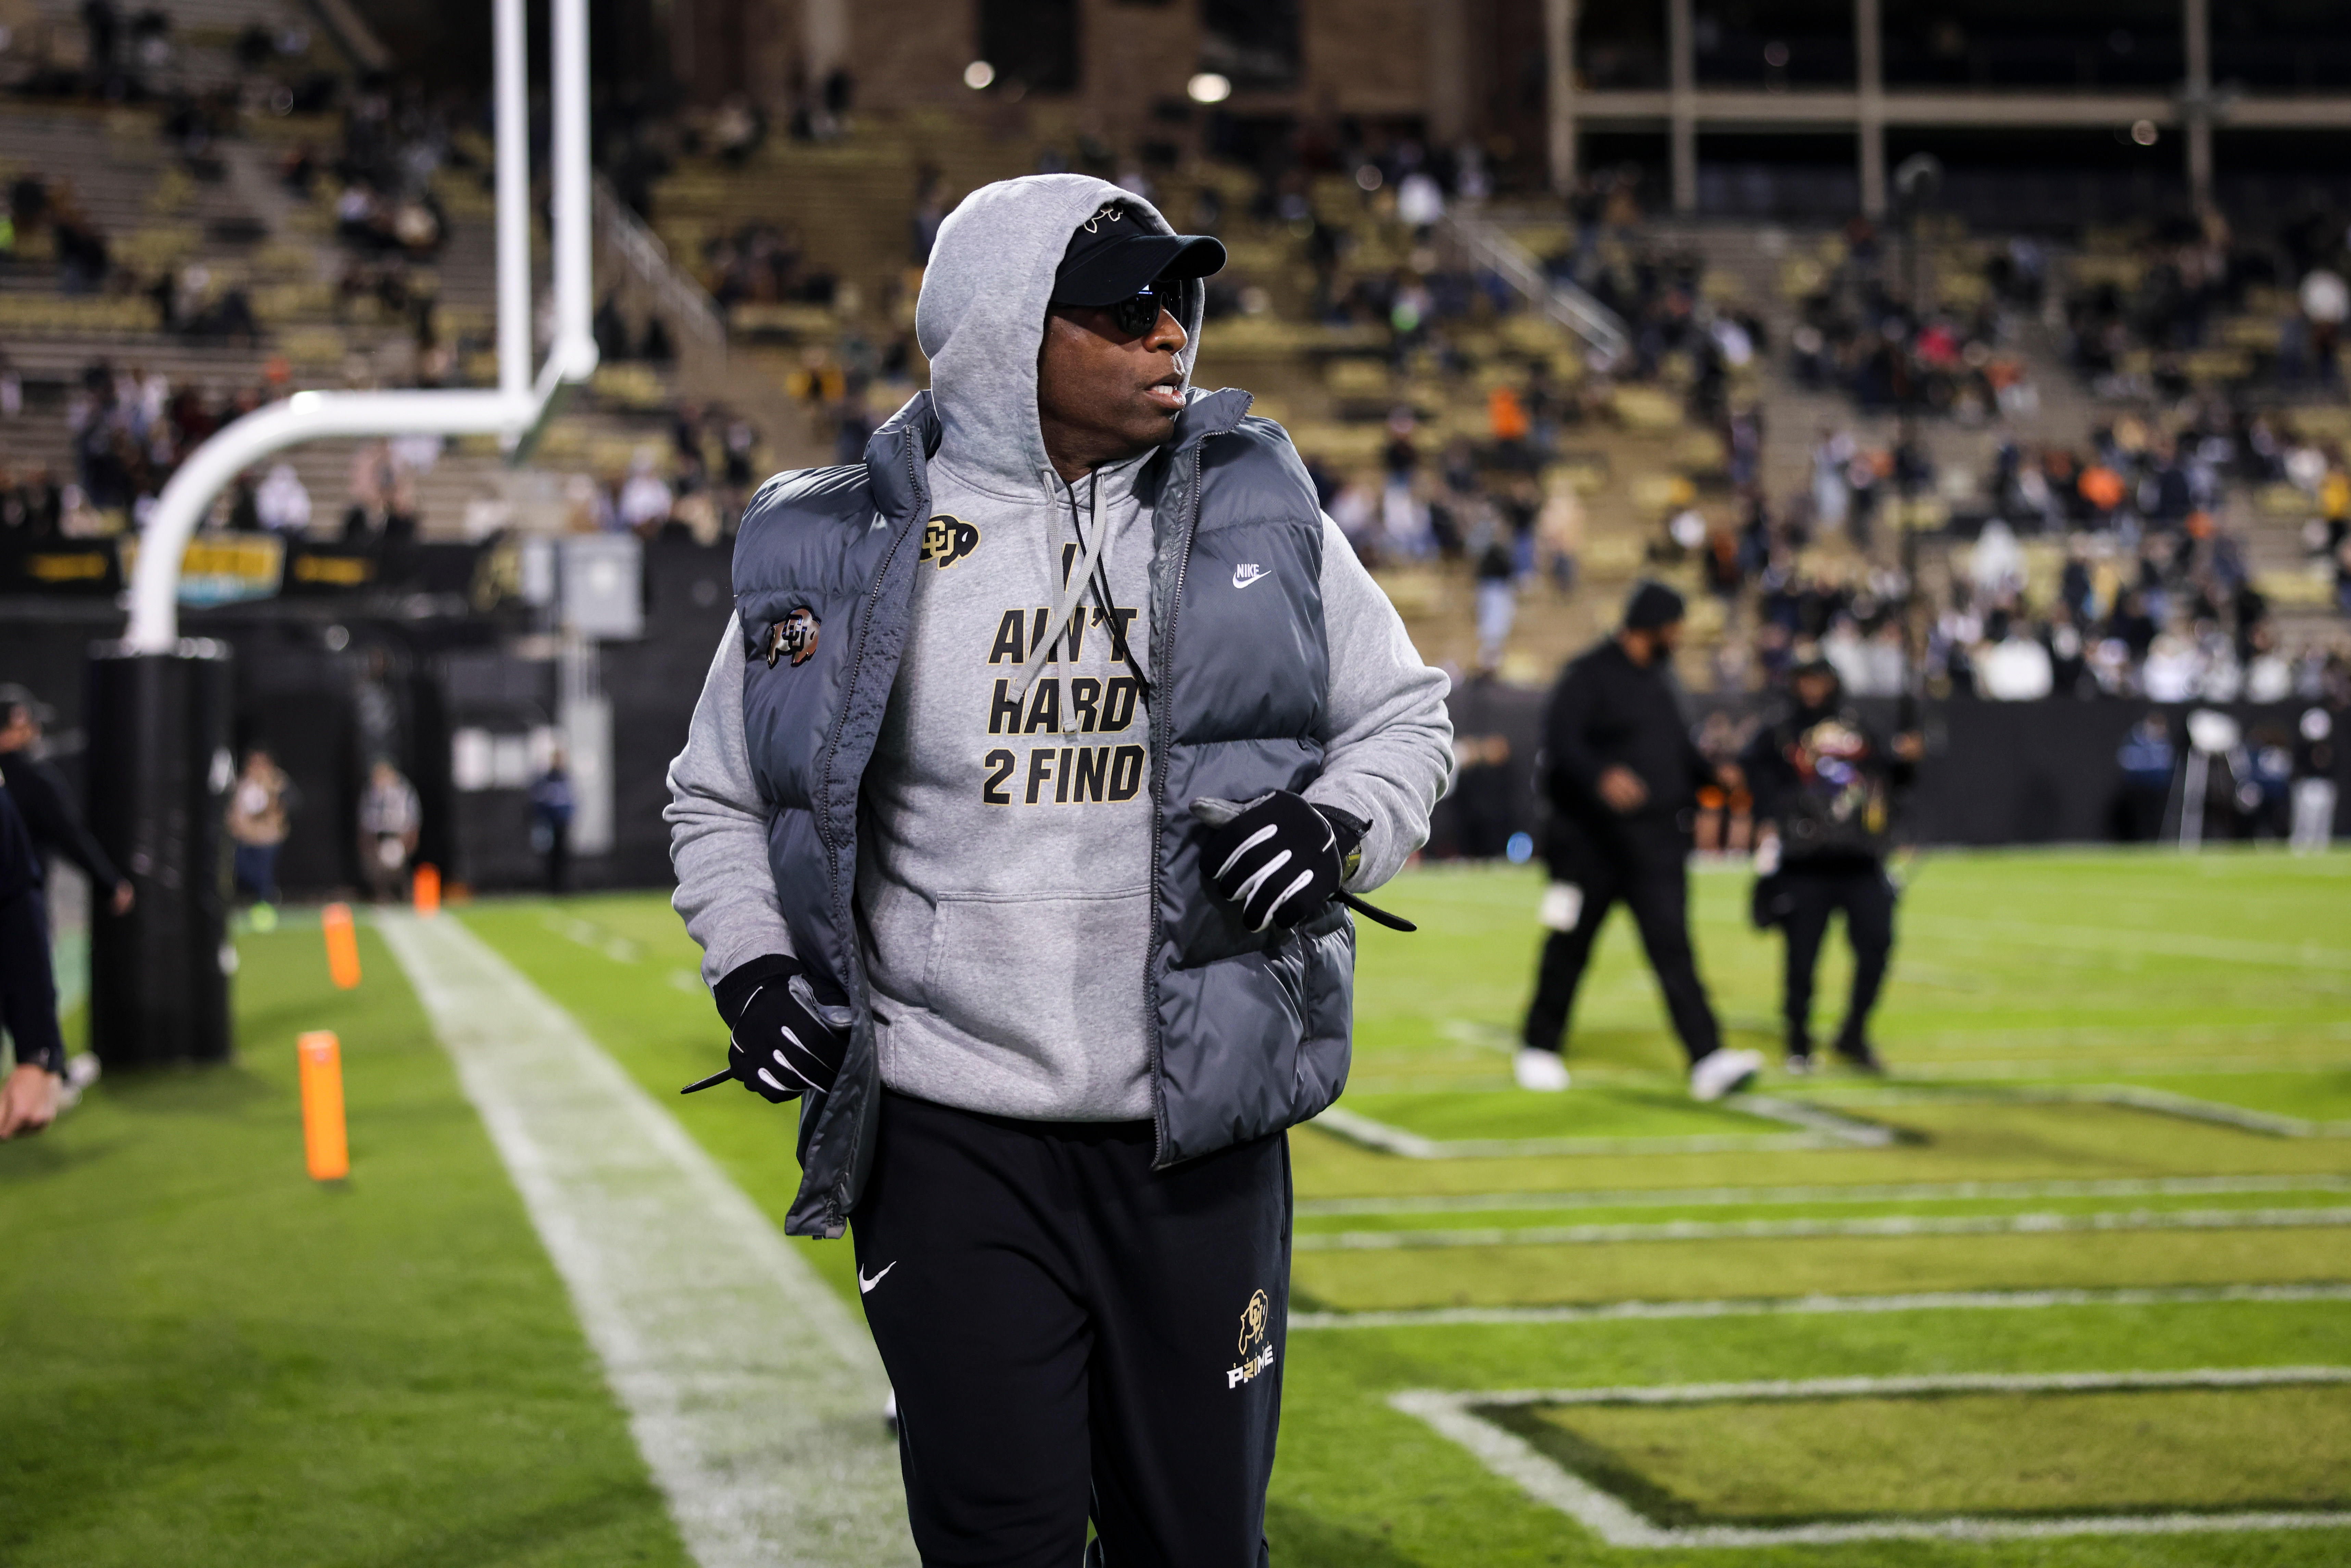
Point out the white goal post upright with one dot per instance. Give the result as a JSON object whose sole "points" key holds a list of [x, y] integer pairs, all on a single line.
{"points": [[519, 406], [160, 714]]}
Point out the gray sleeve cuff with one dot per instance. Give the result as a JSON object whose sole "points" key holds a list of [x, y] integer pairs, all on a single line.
{"points": [[718, 829]]}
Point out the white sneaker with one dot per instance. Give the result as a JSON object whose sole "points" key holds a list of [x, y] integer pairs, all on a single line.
{"points": [[1545, 1072], [1722, 1072]]}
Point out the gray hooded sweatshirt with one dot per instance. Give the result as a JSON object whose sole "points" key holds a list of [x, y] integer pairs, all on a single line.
{"points": [[1003, 888]]}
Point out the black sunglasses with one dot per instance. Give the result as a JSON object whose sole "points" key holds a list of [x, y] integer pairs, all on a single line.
{"points": [[1137, 313]]}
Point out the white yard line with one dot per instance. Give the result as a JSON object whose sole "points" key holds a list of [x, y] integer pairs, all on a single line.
{"points": [[1805, 1306], [754, 1396], [1824, 1124], [1807, 1229], [1822, 1130], [1965, 1069], [1787, 1388], [1759, 1196], [2132, 1096], [1454, 1414]]}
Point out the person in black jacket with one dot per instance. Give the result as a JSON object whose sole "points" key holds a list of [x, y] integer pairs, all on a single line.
{"points": [[1622, 777], [30, 1094], [1824, 784], [47, 805]]}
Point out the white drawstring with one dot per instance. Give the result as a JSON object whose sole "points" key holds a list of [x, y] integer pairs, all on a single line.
{"points": [[1081, 577]]}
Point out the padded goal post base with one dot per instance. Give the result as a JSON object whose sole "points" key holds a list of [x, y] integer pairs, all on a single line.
{"points": [[160, 770]]}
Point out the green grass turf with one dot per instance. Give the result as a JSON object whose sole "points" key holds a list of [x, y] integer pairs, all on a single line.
{"points": [[210, 1359], [1790, 1462], [2222, 977]]}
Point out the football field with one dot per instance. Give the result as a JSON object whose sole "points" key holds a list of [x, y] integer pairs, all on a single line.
{"points": [[2073, 1286]]}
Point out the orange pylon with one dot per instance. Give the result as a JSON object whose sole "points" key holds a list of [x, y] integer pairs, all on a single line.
{"points": [[342, 944], [323, 1141]]}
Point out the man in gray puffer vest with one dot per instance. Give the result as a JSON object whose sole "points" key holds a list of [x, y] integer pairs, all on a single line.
{"points": [[1017, 824]]}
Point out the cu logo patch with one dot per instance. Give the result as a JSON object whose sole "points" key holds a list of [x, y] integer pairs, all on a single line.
{"points": [[947, 540], [794, 634], [1257, 1355]]}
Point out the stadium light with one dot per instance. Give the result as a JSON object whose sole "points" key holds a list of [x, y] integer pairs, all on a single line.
{"points": [[979, 75], [516, 411], [1209, 88]]}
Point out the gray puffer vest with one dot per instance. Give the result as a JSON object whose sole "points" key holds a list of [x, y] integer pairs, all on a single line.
{"points": [[1251, 1032]]}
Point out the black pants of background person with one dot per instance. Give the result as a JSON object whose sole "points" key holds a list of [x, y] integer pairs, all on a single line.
{"points": [[1812, 896], [558, 856], [28, 990], [1070, 1334], [1646, 871]]}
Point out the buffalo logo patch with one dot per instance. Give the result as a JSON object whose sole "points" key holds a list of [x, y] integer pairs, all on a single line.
{"points": [[1256, 1353], [795, 634], [947, 540]]}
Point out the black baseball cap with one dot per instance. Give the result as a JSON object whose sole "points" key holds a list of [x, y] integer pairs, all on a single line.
{"points": [[1113, 257]]}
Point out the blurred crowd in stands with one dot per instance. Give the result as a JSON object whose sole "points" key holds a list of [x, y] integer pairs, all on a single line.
{"points": [[2109, 572], [1858, 329], [696, 489], [2193, 301], [374, 187]]}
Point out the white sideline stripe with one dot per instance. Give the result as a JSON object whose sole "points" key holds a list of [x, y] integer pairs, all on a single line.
{"points": [[1805, 1306], [754, 1396], [1775, 1229], [1453, 1415], [1759, 1196]]}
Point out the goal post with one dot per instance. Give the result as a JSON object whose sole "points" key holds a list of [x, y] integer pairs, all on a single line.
{"points": [[159, 715]]}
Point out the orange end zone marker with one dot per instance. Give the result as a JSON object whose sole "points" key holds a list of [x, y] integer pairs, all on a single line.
{"points": [[425, 885], [323, 1142], [342, 944]]}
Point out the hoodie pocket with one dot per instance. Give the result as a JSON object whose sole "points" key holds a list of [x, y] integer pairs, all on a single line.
{"points": [[1039, 975]]}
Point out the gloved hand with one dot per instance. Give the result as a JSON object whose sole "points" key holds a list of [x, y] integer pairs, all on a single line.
{"points": [[1279, 857], [783, 1042]]}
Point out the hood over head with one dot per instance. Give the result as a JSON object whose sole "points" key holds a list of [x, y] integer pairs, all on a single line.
{"points": [[980, 319]]}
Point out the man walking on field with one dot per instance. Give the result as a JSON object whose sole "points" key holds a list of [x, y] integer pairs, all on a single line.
{"points": [[1014, 823], [1622, 777]]}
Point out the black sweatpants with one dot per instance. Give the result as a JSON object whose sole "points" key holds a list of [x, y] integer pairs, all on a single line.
{"points": [[1868, 899], [28, 990], [1071, 1334], [1651, 880]]}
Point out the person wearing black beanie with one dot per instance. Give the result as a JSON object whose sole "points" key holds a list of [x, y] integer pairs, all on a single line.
{"points": [[1652, 606], [1621, 776]]}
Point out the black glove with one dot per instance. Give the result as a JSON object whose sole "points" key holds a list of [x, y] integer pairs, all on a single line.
{"points": [[1280, 858], [782, 1041]]}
